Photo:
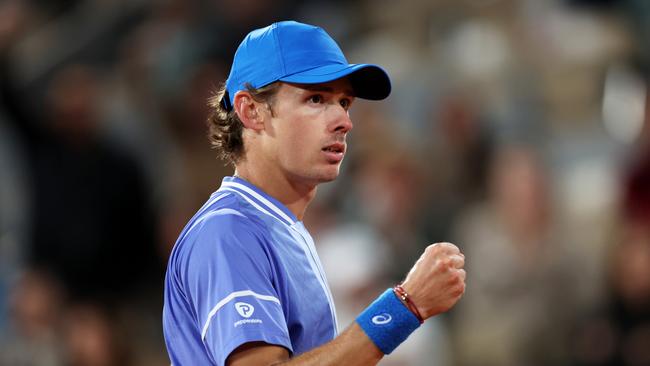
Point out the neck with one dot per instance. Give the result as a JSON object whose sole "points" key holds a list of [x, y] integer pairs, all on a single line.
{"points": [[294, 195]]}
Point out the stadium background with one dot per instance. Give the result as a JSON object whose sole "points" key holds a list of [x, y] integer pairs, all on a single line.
{"points": [[517, 129]]}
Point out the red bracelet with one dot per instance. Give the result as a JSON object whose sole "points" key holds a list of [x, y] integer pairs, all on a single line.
{"points": [[406, 299]]}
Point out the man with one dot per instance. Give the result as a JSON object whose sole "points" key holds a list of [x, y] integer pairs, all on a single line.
{"points": [[244, 284]]}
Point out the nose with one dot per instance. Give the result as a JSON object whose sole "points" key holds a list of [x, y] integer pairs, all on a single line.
{"points": [[341, 121]]}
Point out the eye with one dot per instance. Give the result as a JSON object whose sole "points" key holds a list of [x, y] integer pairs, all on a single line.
{"points": [[316, 99], [345, 103]]}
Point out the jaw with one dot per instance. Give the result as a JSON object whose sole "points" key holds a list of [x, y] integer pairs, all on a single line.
{"points": [[323, 173], [329, 172]]}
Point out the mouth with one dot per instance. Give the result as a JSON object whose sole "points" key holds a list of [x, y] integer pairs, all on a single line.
{"points": [[335, 148], [334, 152]]}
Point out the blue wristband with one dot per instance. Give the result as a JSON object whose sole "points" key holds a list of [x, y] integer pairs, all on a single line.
{"points": [[387, 322]]}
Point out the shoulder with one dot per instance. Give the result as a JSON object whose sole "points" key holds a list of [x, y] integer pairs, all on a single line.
{"points": [[222, 228], [221, 216]]}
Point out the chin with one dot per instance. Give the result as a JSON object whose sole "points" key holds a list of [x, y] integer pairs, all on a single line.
{"points": [[328, 175], [329, 179]]}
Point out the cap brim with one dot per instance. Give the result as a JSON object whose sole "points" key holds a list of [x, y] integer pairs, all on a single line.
{"points": [[368, 81]]}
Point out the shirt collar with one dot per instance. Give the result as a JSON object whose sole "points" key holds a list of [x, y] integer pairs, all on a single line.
{"points": [[260, 199]]}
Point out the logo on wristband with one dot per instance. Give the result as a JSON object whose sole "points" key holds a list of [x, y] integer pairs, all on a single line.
{"points": [[382, 319]]}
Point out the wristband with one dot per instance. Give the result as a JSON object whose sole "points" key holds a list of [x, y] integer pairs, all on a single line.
{"points": [[387, 322]]}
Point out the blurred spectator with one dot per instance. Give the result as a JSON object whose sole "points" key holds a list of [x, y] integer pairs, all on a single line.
{"points": [[93, 226], [617, 332], [36, 309], [13, 178], [386, 197], [456, 163], [13, 212], [519, 277], [91, 338]]}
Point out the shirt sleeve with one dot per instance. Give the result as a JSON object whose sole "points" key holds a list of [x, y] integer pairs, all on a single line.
{"points": [[230, 283]]}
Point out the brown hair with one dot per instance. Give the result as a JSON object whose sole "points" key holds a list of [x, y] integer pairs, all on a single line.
{"points": [[225, 128]]}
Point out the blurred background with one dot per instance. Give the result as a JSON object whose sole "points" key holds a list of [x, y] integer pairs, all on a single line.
{"points": [[517, 129]]}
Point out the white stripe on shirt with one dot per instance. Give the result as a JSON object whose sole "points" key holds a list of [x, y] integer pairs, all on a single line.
{"points": [[260, 198], [255, 204], [229, 298]]}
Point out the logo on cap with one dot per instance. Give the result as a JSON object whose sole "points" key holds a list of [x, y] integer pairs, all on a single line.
{"points": [[244, 309]]}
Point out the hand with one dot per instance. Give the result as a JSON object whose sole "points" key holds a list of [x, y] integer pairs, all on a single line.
{"points": [[437, 280]]}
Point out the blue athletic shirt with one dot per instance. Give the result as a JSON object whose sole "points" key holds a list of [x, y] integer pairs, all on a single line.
{"points": [[244, 269]]}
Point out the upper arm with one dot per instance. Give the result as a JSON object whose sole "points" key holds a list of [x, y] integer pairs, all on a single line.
{"points": [[230, 282], [257, 354]]}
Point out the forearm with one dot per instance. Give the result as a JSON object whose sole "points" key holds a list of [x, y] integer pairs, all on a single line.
{"points": [[436, 282], [352, 347]]}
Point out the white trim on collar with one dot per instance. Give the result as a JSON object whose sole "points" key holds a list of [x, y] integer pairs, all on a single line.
{"points": [[270, 205]]}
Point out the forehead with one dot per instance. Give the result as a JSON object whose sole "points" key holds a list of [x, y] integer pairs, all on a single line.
{"points": [[336, 86]]}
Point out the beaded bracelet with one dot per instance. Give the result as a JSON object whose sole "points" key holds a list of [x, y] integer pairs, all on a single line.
{"points": [[406, 299]]}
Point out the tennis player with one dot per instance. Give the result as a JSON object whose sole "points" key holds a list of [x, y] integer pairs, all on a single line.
{"points": [[244, 284]]}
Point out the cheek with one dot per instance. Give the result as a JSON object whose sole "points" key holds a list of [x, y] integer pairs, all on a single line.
{"points": [[298, 137], [297, 146], [300, 132]]}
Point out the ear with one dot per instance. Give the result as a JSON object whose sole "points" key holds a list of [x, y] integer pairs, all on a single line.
{"points": [[248, 111]]}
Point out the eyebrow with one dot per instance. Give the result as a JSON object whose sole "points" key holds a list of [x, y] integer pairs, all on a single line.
{"points": [[327, 89]]}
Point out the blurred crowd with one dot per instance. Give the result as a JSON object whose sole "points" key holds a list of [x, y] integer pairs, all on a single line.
{"points": [[517, 129]]}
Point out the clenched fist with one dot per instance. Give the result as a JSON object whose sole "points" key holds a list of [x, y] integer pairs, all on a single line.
{"points": [[437, 280]]}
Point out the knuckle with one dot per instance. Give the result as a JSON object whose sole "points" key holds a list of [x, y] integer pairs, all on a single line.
{"points": [[441, 266], [457, 277], [457, 261], [458, 290], [462, 274], [455, 280]]}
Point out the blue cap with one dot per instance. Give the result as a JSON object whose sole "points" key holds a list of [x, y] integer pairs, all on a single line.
{"points": [[299, 53]]}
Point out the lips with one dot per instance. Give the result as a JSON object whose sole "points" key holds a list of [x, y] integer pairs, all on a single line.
{"points": [[336, 147], [334, 152]]}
